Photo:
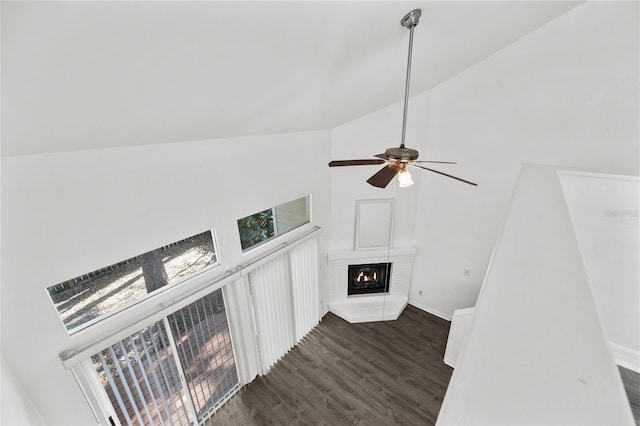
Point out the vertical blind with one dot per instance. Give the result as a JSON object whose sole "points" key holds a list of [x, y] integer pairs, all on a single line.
{"points": [[271, 297], [304, 281], [284, 294]]}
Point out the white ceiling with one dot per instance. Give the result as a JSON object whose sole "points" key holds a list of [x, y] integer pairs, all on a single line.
{"points": [[87, 75]]}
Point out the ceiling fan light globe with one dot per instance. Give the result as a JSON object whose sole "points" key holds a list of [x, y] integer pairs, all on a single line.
{"points": [[404, 179]]}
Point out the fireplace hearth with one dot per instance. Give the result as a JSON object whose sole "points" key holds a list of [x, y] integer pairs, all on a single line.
{"points": [[370, 278]]}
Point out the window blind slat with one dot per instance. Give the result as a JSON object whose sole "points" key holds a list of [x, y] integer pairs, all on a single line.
{"points": [[272, 307], [156, 381], [304, 280], [114, 388], [171, 379], [136, 383], [145, 377], [131, 400]]}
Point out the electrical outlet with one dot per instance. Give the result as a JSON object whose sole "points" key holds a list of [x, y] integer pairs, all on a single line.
{"points": [[419, 292], [467, 272]]}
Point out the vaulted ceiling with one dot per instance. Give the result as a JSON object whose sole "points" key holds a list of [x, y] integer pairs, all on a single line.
{"points": [[88, 75]]}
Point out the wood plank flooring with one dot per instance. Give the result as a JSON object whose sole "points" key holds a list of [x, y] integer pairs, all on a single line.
{"points": [[379, 373], [382, 373], [631, 381]]}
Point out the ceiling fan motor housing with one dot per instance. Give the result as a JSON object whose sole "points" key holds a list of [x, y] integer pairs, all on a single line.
{"points": [[401, 154]]}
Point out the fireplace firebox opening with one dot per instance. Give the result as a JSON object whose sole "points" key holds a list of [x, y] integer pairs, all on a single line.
{"points": [[368, 278]]}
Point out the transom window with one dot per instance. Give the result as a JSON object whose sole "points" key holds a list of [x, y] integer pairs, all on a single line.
{"points": [[263, 226], [82, 300]]}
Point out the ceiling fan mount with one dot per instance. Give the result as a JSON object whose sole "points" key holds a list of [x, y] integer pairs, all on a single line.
{"points": [[398, 158], [411, 19]]}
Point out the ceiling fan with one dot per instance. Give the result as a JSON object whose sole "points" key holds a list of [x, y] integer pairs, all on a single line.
{"points": [[397, 159]]}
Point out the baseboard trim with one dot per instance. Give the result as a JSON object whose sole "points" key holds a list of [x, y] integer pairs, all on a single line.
{"points": [[324, 312], [451, 363], [430, 310], [625, 357]]}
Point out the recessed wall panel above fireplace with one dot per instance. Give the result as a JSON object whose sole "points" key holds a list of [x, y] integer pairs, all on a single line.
{"points": [[374, 222]]}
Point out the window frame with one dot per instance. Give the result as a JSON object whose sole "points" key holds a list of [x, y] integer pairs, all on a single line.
{"points": [[108, 317]]}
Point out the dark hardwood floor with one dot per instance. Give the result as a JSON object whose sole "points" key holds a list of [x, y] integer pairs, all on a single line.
{"points": [[631, 381], [379, 373]]}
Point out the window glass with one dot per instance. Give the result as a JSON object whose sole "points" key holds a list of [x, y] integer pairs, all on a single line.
{"points": [[290, 215], [256, 228], [90, 296], [271, 223]]}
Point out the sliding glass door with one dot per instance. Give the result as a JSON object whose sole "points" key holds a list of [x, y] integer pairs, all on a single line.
{"points": [[175, 371]]}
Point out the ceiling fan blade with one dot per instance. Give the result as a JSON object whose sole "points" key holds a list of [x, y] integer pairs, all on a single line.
{"points": [[384, 176], [339, 163], [439, 162], [444, 174], [383, 156]]}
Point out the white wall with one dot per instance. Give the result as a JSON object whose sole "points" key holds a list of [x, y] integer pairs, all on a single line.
{"points": [[69, 213], [604, 213], [566, 94], [16, 408], [362, 139]]}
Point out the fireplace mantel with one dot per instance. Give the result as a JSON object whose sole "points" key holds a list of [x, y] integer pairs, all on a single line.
{"points": [[373, 307]]}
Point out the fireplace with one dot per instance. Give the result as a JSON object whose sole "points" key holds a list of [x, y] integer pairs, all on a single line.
{"points": [[368, 278], [364, 307]]}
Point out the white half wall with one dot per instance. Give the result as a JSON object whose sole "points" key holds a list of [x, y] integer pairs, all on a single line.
{"points": [[66, 214], [537, 351], [604, 216]]}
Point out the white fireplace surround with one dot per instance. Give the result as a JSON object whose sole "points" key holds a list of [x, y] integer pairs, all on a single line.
{"points": [[370, 307]]}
